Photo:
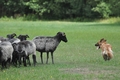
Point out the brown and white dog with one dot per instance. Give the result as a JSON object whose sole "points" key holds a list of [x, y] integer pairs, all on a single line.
{"points": [[106, 48]]}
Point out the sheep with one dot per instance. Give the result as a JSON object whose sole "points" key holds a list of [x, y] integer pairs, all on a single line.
{"points": [[6, 51], [24, 49], [23, 37], [1, 39], [49, 44], [15, 54], [10, 36], [12, 40]]}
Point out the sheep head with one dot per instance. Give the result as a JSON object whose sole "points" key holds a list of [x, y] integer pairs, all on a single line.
{"points": [[23, 37], [10, 36], [62, 36]]}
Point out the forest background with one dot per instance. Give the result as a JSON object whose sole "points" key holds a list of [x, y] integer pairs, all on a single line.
{"points": [[78, 10]]}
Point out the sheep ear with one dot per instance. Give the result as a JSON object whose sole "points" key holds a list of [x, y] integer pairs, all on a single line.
{"points": [[63, 34], [14, 34], [27, 36], [58, 33]]}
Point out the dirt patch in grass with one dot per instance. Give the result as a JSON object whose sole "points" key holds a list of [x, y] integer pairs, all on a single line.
{"points": [[86, 71], [109, 74], [88, 74]]}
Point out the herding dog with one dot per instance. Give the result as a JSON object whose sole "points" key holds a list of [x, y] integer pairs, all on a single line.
{"points": [[106, 48]]}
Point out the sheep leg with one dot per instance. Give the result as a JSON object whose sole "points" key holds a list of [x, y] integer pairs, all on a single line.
{"points": [[9, 61], [41, 57], [52, 57], [15, 62], [28, 59], [15, 59], [34, 59], [19, 60], [3, 65], [47, 57], [24, 61]]}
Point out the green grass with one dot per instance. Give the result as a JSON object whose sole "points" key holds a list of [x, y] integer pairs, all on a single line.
{"points": [[77, 59], [111, 20]]}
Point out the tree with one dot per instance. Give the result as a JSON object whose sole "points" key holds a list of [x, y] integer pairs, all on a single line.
{"points": [[61, 9], [103, 9], [11, 7], [39, 7], [115, 7]]}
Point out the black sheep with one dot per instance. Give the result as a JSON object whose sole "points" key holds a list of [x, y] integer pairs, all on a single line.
{"points": [[49, 44]]}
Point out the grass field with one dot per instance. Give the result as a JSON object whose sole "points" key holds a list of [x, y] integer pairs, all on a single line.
{"points": [[77, 59]]}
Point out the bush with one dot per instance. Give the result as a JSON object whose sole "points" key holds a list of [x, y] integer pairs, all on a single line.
{"points": [[31, 17]]}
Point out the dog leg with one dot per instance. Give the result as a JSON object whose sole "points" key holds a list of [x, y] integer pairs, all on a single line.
{"points": [[105, 57]]}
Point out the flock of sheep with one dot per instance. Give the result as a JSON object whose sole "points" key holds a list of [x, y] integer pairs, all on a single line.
{"points": [[14, 50]]}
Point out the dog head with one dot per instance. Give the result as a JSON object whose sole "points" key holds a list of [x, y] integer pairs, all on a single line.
{"points": [[99, 43]]}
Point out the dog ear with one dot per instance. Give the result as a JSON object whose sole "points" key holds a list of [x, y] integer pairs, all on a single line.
{"points": [[101, 39], [105, 40]]}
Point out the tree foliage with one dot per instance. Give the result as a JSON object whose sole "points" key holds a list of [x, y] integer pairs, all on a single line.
{"points": [[61, 9], [115, 7], [103, 9]]}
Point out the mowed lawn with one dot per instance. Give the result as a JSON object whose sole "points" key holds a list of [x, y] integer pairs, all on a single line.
{"points": [[78, 59]]}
